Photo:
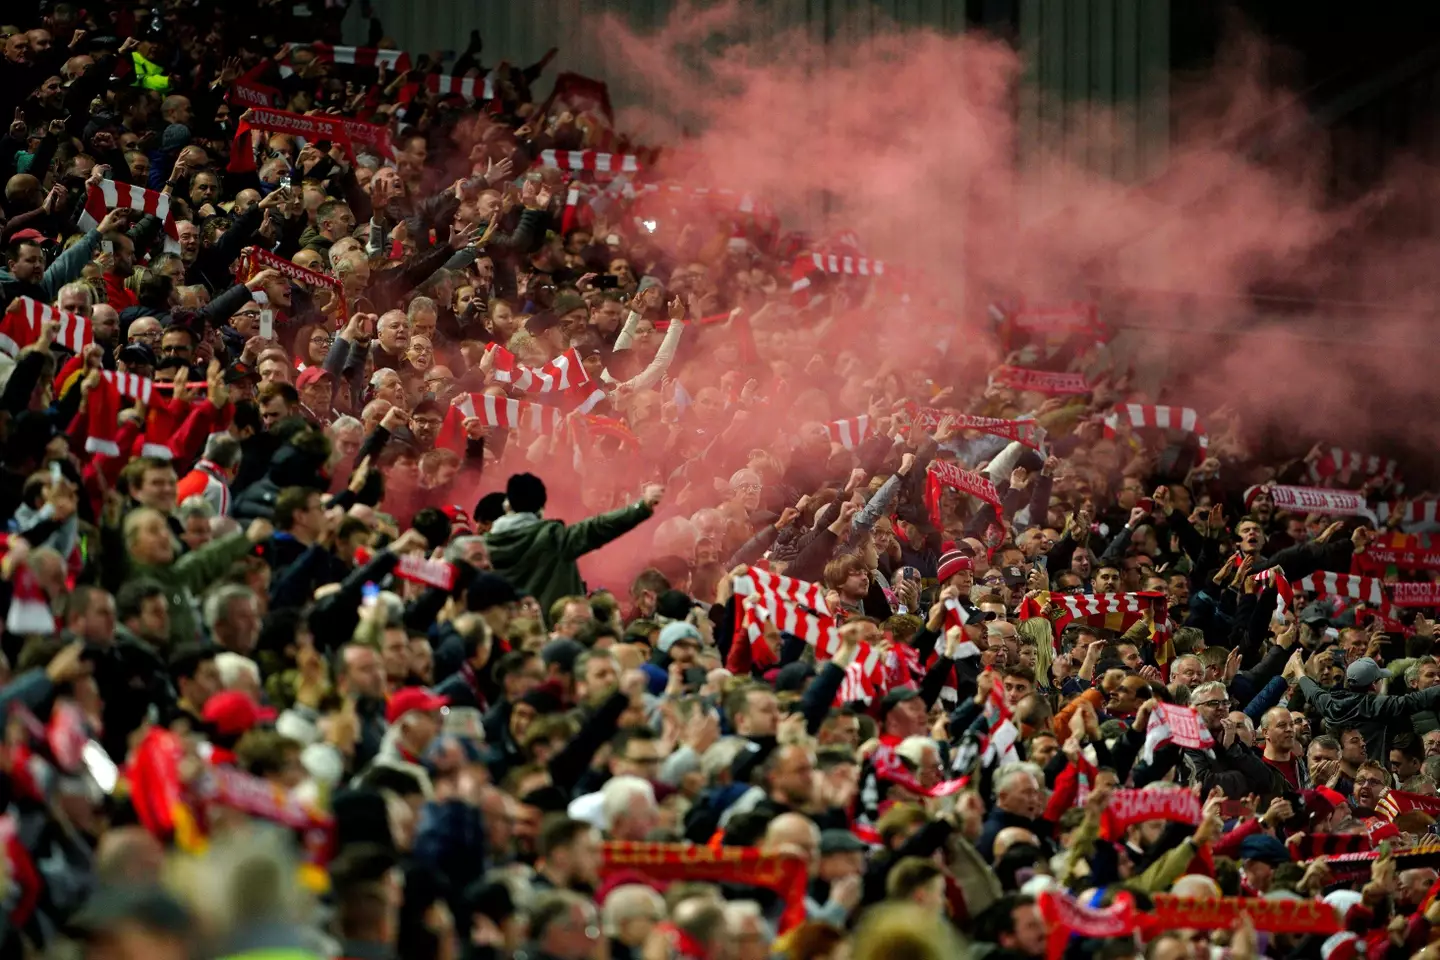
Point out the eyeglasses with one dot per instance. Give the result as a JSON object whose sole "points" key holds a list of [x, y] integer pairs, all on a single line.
{"points": [[426, 423], [321, 340], [1369, 782], [1210, 703]]}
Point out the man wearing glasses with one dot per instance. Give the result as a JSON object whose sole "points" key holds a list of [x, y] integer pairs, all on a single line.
{"points": [[1234, 767]]}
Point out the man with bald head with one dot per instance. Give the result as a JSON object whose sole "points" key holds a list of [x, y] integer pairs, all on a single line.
{"points": [[1282, 754], [1013, 837], [22, 193], [75, 67], [392, 341], [794, 834], [310, 260], [105, 327], [245, 199]]}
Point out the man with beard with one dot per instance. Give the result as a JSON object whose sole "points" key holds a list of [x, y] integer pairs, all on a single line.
{"points": [[569, 856]]}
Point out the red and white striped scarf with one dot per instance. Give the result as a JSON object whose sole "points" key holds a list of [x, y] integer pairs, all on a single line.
{"points": [[1369, 590], [1049, 382], [501, 412], [1028, 432], [471, 88], [950, 474], [562, 373], [1113, 611], [102, 411], [865, 679], [743, 202], [591, 161], [1319, 500], [1420, 515], [818, 630], [417, 568], [395, 60], [1284, 592], [137, 388], [1140, 415], [757, 581], [1359, 466], [804, 266], [851, 433], [108, 195], [21, 325]]}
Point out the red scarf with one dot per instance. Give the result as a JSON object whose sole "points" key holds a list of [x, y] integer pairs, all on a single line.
{"points": [[785, 875]]}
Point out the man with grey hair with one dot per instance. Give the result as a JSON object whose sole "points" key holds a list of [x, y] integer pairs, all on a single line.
{"points": [[346, 434], [75, 297], [232, 615], [1019, 802], [239, 673], [750, 936], [471, 549], [628, 808], [213, 474], [1422, 674], [1232, 765], [195, 515], [631, 911], [385, 384], [422, 315], [563, 926], [1188, 670]]}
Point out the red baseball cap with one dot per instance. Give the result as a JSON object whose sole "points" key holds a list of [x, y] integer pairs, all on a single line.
{"points": [[407, 699], [232, 713], [310, 375], [459, 518]]}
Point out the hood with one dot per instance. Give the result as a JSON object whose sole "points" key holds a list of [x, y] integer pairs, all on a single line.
{"points": [[516, 522], [510, 538]]}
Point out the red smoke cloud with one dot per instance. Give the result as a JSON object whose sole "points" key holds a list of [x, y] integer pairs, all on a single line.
{"points": [[1209, 270], [912, 137]]}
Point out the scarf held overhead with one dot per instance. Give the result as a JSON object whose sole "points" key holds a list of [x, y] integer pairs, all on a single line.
{"points": [[785, 875]]}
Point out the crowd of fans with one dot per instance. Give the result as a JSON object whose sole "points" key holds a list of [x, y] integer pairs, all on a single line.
{"points": [[298, 657]]}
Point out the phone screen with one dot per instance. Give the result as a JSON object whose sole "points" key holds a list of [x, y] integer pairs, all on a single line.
{"points": [[267, 324]]}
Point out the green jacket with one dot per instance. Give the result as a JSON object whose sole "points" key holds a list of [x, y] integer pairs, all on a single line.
{"points": [[190, 575], [313, 239], [149, 75], [538, 556]]}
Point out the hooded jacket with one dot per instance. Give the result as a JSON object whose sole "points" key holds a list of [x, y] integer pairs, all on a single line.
{"points": [[1372, 714], [538, 556]]}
